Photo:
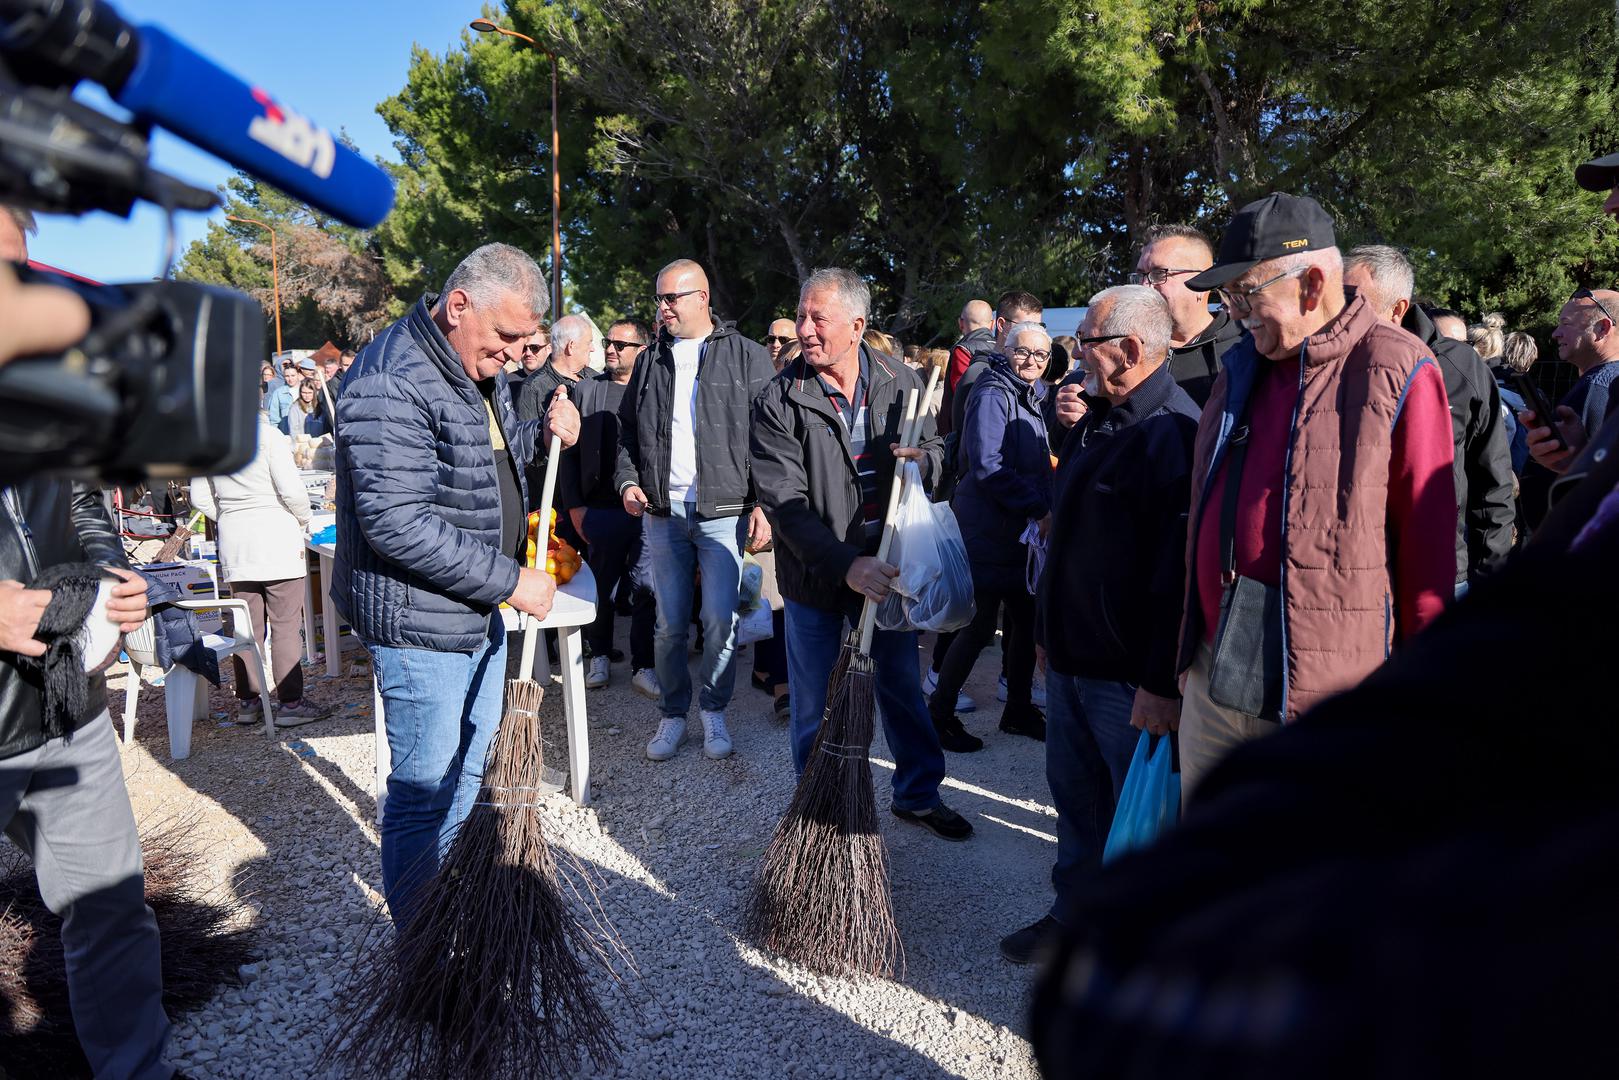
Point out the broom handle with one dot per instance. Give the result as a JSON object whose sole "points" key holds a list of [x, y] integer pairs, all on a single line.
{"points": [[907, 437], [548, 491]]}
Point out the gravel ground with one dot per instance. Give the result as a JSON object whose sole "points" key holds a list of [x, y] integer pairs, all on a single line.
{"points": [[673, 846]]}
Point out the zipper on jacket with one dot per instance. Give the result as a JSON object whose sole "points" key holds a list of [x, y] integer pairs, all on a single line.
{"points": [[24, 533], [1287, 491]]}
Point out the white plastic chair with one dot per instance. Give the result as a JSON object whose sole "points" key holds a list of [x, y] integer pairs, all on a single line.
{"points": [[185, 692]]}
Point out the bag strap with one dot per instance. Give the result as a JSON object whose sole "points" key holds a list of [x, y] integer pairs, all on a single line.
{"points": [[1236, 457]]}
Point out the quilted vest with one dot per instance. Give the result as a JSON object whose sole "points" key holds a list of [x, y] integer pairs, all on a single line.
{"points": [[1337, 590]]}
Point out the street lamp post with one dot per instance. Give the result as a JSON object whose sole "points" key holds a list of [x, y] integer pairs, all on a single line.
{"points": [[275, 275], [485, 26]]}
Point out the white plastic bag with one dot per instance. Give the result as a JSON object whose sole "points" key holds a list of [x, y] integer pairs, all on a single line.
{"points": [[753, 616], [934, 589]]}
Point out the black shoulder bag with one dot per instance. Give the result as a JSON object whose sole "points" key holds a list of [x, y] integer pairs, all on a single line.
{"points": [[1246, 673]]}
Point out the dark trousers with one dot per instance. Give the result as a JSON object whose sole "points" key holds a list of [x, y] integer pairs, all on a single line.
{"points": [[770, 655], [618, 557], [1017, 645], [278, 606]]}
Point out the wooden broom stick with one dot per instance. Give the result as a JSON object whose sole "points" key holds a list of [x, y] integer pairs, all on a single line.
{"points": [[548, 490]]}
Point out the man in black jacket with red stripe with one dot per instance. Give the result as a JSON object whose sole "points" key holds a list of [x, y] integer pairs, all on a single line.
{"points": [[823, 454]]}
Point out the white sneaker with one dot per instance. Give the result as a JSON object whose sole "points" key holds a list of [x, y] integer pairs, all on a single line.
{"points": [[1037, 693], [596, 675], [645, 682], [716, 740], [930, 683], [671, 733]]}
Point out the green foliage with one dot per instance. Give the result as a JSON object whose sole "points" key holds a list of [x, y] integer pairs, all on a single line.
{"points": [[332, 285], [952, 148]]}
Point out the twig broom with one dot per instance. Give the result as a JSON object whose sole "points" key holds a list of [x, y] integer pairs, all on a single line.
{"points": [[822, 897], [486, 980]]}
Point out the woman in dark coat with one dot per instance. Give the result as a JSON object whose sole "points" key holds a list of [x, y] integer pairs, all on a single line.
{"points": [[1005, 468]]}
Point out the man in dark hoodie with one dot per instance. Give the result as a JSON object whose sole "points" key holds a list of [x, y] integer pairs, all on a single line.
{"points": [[1109, 606], [1483, 467]]}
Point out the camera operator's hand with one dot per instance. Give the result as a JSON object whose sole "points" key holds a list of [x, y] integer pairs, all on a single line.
{"points": [[20, 612], [535, 592], [38, 318], [562, 419], [126, 603]]}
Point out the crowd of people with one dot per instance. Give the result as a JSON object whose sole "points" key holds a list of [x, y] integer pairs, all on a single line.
{"points": [[1261, 467]]}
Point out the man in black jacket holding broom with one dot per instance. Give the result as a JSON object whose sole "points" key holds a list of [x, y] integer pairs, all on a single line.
{"points": [[823, 462]]}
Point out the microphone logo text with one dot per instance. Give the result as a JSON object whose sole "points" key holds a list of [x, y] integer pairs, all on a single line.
{"points": [[293, 136]]}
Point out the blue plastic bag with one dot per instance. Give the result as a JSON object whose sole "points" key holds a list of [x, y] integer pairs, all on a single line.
{"points": [[1150, 801]]}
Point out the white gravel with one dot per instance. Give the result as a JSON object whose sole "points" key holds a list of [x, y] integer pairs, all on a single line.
{"points": [[674, 845]]}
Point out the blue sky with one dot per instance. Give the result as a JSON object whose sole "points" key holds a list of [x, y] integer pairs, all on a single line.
{"points": [[332, 61]]}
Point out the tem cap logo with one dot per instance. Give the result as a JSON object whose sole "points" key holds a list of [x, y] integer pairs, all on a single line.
{"points": [[1291, 244], [293, 136]]}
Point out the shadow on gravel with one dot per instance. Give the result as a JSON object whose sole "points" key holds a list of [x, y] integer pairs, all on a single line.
{"points": [[264, 785], [699, 999]]}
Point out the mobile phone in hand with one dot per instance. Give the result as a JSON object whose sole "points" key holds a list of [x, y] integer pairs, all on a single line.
{"points": [[1535, 398]]}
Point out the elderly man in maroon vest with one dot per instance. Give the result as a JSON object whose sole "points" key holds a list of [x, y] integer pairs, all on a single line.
{"points": [[1323, 507]]}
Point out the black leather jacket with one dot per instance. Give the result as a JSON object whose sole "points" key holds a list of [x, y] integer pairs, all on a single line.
{"points": [[44, 522]]}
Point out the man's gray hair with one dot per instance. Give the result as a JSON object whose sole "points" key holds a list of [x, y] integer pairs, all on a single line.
{"points": [[1138, 311], [566, 331], [24, 218], [1017, 330], [852, 291], [1392, 277], [496, 269]]}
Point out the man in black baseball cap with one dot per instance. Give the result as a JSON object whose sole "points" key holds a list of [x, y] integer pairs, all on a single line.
{"points": [[1271, 228], [1323, 505], [1601, 175]]}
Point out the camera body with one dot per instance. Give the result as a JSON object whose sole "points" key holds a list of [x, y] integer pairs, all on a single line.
{"points": [[165, 385]]}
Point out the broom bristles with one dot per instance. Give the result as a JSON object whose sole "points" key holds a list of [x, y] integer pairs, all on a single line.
{"points": [[486, 979], [822, 898]]}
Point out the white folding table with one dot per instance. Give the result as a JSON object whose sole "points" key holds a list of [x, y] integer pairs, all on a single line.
{"points": [[573, 609]]}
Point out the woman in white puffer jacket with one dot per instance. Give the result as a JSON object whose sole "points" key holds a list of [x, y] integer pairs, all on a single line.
{"points": [[262, 511]]}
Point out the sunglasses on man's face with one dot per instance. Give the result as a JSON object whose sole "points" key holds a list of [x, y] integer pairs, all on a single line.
{"points": [[670, 297], [779, 339], [532, 349], [621, 346]]}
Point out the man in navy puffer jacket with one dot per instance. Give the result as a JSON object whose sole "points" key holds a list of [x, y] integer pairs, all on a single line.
{"points": [[430, 531]]}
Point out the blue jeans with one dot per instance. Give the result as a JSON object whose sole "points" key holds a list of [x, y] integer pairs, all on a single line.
{"points": [[814, 637], [441, 710], [681, 544], [1089, 743]]}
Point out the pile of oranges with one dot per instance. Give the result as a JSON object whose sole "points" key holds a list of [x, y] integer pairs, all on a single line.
{"points": [[562, 559]]}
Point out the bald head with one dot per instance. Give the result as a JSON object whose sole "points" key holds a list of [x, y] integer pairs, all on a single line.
{"points": [[778, 337], [681, 290], [1586, 334], [975, 315]]}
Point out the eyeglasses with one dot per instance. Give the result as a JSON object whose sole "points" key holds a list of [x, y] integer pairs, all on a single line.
{"points": [[1086, 342], [613, 343], [1158, 275], [1587, 294], [1042, 355], [1242, 302], [670, 297], [531, 349], [779, 339]]}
